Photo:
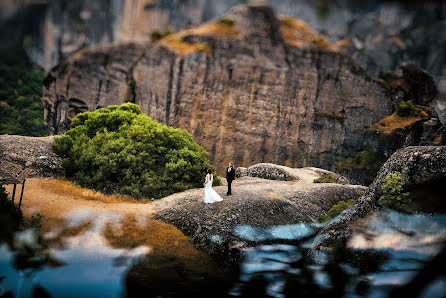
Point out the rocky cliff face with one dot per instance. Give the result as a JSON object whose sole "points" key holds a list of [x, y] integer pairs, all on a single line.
{"points": [[250, 89], [379, 34]]}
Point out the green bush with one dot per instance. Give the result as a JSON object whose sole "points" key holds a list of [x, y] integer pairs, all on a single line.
{"points": [[328, 178], [121, 150], [226, 21], [157, 34], [335, 210], [405, 108], [21, 109], [393, 192]]}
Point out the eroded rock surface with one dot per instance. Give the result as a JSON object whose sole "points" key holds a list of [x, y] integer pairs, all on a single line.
{"points": [[31, 152], [256, 203], [418, 165], [248, 91]]}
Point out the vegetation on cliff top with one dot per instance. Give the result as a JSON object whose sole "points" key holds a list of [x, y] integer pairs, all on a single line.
{"points": [[297, 33], [21, 110], [121, 150], [157, 34], [405, 116], [179, 41]]}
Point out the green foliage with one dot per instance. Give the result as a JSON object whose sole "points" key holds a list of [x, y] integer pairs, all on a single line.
{"points": [[10, 217], [226, 21], [157, 34], [361, 160], [393, 192], [328, 178], [335, 210], [405, 108], [121, 150], [21, 109]]}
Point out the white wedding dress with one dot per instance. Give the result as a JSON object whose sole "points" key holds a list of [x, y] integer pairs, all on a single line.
{"points": [[210, 195]]}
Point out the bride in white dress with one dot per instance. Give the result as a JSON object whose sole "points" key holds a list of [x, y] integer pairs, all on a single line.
{"points": [[210, 195]]}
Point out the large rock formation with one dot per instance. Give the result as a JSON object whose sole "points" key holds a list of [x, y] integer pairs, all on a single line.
{"points": [[419, 166], [256, 206], [379, 34], [248, 87]]}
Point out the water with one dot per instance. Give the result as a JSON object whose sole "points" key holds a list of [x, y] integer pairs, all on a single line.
{"points": [[86, 266], [389, 252]]}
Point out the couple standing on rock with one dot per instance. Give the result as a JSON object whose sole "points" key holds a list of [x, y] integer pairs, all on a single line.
{"points": [[210, 195]]}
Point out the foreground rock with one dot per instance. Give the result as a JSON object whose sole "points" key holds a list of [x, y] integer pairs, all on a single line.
{"points": [[256, 205], [419, 166], [31, 152]]}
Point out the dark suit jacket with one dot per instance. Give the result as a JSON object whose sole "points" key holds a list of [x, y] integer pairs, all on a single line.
{"points": [[230, 175]]}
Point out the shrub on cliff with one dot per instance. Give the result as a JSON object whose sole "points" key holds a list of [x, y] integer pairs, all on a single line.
{"points": [[405, 108], [157, 34], [335, 210], [393, 193], [121, 150]]}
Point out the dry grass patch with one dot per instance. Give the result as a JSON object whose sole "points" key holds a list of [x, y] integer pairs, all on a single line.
{"points": [[167, 242], [394, 123], [176, 42], [298, 34], [69, 189], [220, 28]]}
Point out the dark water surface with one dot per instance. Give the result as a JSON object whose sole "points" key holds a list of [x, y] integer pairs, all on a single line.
{"points": [[388, 255]]}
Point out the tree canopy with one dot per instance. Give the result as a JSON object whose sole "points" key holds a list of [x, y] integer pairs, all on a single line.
{"points": [[21, 109], [121, 150]]}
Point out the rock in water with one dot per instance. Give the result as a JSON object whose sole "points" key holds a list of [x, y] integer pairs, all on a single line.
{"points": [[418, 165], [248, 86]]}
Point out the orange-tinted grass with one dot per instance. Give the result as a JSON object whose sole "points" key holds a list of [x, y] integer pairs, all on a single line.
{"points": [[214, 28], [69, 189], [297, 33], [176, 42], [392, 123], [167, 243], [343, 43]]}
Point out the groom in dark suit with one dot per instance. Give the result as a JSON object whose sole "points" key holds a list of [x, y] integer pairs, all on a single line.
{"points": [[230, 176]]}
